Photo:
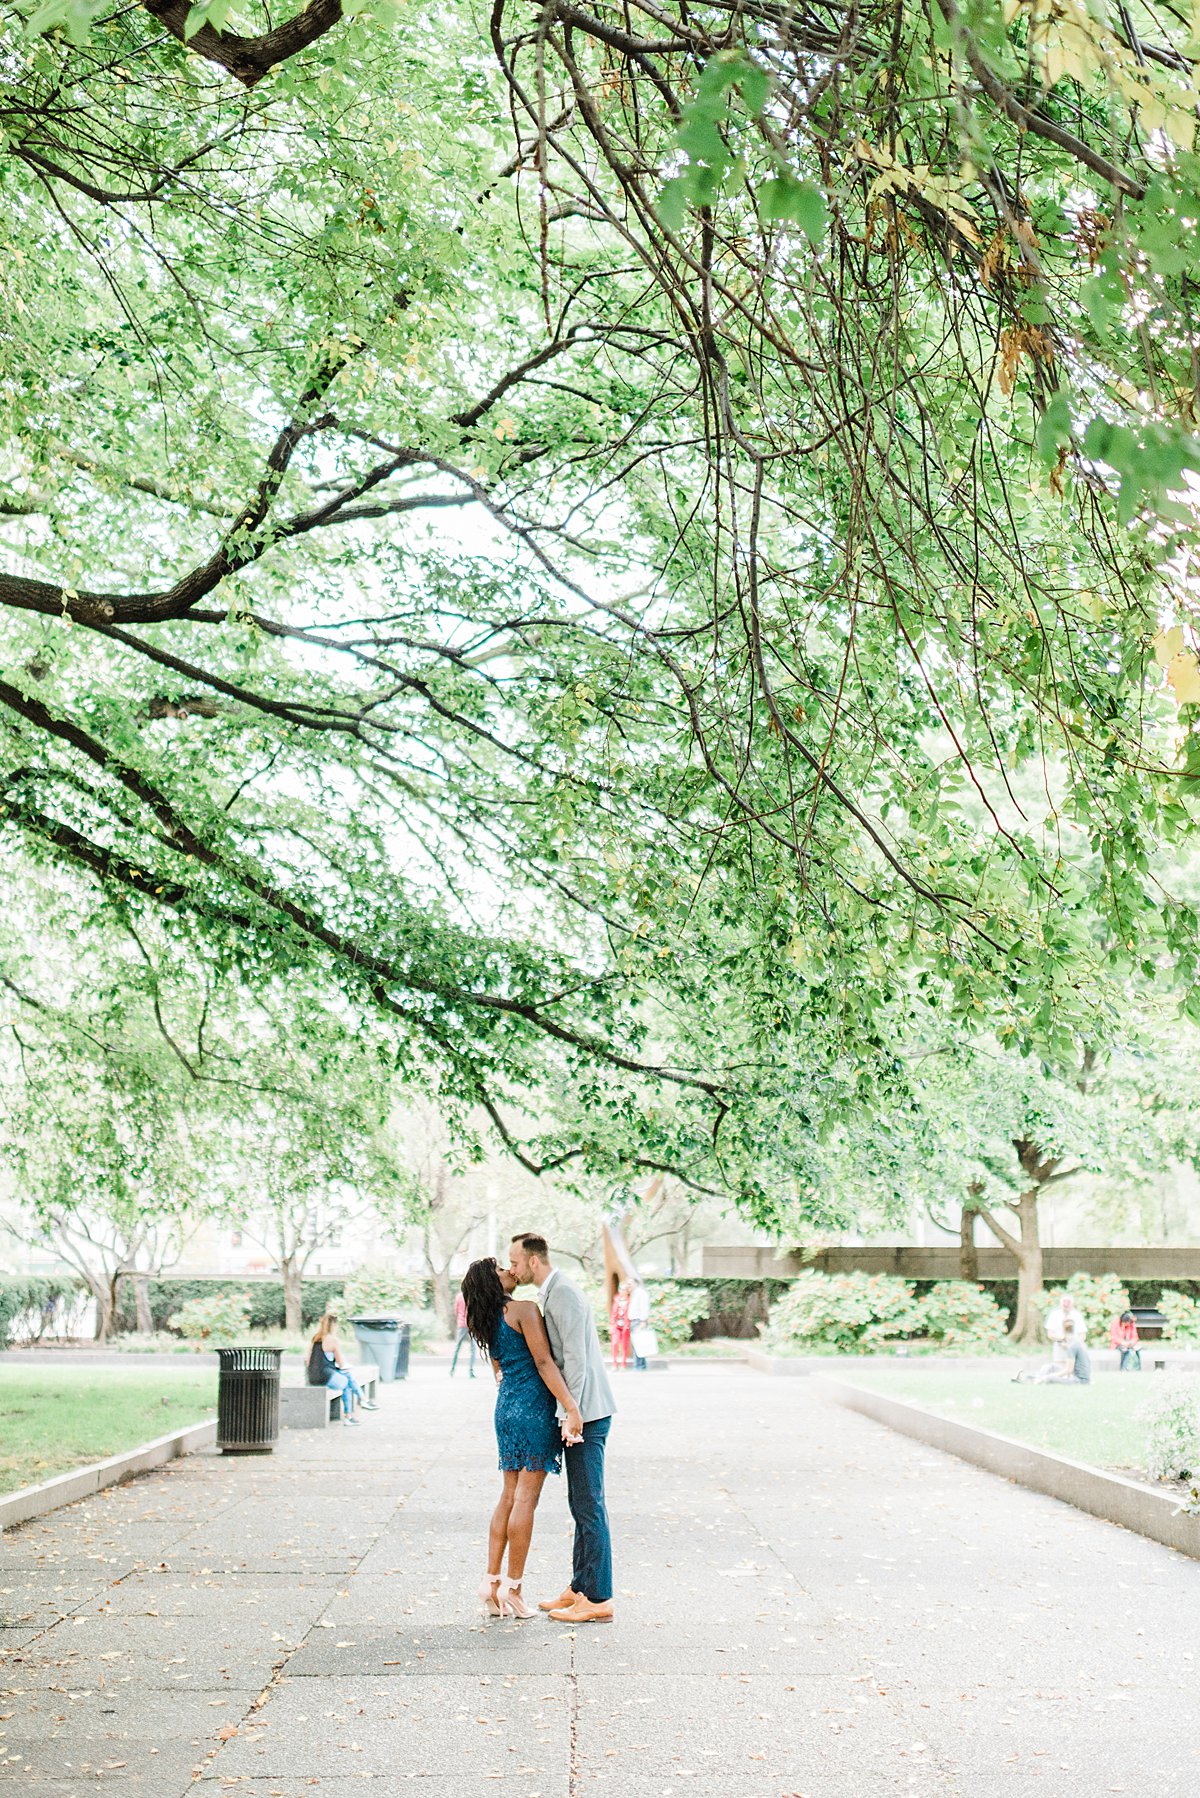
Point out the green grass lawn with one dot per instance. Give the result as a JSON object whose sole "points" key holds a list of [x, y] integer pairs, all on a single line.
{"points": [[1089, 1423], [53, 1419]]}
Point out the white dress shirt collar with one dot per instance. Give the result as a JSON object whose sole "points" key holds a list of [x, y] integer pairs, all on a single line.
{"points": [[544, 1288]]}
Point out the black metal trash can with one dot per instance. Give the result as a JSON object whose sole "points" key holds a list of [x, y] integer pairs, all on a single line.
{"points": [[248, 1400]]}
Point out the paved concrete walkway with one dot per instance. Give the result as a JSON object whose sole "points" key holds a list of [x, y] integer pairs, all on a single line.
{"points": [[808, 1607]]}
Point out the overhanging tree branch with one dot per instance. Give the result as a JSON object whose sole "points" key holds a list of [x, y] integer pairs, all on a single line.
{"points": [[248, 59]]}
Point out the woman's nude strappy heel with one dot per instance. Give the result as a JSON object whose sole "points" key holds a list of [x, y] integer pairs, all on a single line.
{"points": [[488, 1596], [512, 1604]]}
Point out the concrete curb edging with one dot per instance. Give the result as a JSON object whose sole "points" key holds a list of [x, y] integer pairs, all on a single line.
{"points": [[761, 1362], [82, 1482], [1103, 1360], [1106, 1495]]}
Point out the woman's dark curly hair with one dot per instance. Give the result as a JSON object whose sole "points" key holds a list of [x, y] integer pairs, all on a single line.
{"points": [[486, 1299]]}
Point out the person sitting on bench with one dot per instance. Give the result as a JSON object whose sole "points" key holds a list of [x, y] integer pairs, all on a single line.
{"points": [[326, 1368]]}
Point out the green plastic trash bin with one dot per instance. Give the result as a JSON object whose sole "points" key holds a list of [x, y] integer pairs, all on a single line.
{"points": [[383, 1341]]}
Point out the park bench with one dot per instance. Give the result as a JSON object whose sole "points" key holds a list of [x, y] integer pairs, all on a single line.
{"points": [[1150, 1322], [305, 1407]]}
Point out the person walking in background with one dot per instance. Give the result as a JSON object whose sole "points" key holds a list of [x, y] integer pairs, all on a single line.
{"points": [[639, 1323], [1123, 1336], [528, 1435], [462, 1334], [575, 1346], [618, 1326], [326, 1368]]}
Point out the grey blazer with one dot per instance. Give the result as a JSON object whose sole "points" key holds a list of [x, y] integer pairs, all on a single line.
{"points": [[576, 1347]]}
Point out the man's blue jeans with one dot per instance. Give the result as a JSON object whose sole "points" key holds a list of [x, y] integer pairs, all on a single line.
{"points": [[591, 1573]]}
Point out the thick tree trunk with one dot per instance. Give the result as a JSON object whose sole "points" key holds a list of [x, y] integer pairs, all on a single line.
{"points": [[443, 1298], [105, 1294], [968, 1254], [293, 1294], [1026, 1328], [1027, 1325], [141, 1300]]}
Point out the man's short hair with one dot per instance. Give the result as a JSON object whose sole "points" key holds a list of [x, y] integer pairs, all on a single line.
{"points": [[533, 1245]]}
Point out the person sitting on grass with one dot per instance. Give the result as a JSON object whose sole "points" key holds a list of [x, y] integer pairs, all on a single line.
{"points": [[1067, 1330], [1071, 1364], [326, 1368]]}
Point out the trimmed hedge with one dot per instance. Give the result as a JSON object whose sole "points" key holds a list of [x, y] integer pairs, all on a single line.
{"points": [[266, 1300], [740, 1305], [17, 1297]]}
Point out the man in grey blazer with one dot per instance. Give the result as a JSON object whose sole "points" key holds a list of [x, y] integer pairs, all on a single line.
{"points": [[576, 1350]]}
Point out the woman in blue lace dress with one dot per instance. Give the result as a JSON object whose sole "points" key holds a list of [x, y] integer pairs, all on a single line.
{"points": [[528, 1433]]}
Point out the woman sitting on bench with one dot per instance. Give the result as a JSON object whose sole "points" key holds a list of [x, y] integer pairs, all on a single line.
{"points": [[326, 1368]]}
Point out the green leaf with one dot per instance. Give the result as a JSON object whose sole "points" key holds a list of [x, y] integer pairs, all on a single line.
{"points": [[795, 202], [673, 204], [701, 140], [74, 17], [1054, 428]]}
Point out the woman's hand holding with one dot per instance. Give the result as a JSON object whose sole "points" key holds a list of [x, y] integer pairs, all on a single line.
{"points": [[572, 1427]]}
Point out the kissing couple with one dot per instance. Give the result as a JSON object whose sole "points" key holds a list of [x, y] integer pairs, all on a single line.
{"points": [[552, 1400]]}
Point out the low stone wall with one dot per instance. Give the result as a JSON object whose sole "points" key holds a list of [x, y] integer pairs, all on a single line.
{"points": [[1107, 1495], [82, 1482], [1165, 1262]]}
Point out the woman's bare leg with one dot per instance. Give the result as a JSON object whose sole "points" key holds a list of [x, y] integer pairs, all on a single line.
{"points": [[498, 1529], [520, 1523]]}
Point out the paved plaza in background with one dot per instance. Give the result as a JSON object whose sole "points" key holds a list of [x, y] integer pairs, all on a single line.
{"points": [[807, 1605]]}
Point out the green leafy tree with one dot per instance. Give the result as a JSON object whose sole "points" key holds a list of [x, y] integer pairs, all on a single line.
{"points": [[616, 654]]}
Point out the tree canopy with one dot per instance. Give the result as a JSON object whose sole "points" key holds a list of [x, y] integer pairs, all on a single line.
{"points": [[641, 544]]}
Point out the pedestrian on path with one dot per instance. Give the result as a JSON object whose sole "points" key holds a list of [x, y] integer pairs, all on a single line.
{"points": [[528, 1435], [462, 1334], [575, 1346], [618, 1326], [326, 1368]]}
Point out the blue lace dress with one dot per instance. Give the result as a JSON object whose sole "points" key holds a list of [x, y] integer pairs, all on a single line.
{"points": [[527, 1432]]}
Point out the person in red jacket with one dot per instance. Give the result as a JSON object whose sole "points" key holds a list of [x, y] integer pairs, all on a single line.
{"points": [[618, 1324], [1123, 1336]]}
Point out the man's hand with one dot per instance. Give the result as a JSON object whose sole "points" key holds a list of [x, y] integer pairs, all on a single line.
{"points": [[572, 1427]]}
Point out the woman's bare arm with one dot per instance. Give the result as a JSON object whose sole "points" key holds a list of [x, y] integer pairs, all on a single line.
{"points": [[534, 1331]]}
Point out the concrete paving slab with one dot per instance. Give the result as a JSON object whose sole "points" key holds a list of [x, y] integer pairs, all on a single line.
{"points": [[41, 1599], [161, 1652], [111, 1735], [468, 1648], [454, 1728], [107, 1777], [251, 1599], [382, 1785]]}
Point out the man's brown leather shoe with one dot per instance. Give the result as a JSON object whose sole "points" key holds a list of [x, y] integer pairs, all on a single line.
{"points": [[562, 1603], [584, 1611]]}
